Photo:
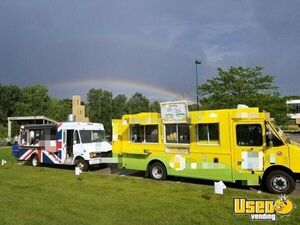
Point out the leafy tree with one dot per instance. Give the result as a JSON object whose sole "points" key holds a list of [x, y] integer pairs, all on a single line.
{"points": [[276, 105], [99, 107], [138, 103], [192, 107], [291, 97], [119, 106], [240, 85], [34, 101], [3, 131], [155, 106], [9, 95], [59, 109]]}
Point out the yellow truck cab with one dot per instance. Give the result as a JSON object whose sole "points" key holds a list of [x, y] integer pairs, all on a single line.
{"points": [[233, 145]]}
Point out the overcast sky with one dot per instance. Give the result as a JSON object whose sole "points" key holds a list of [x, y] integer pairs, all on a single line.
{"points": [[146, 46]]}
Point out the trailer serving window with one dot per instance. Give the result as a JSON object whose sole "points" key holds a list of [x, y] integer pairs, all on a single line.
{"points": [[249, 135], [36, 136], [177, 133], [208, 133], [24, 138], [144, 133], [53, 133]]}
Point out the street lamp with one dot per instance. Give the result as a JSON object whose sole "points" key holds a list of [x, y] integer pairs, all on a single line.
{"points": [[196, 63]]}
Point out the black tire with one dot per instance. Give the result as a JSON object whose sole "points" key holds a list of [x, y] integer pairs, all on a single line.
{"points": [[35, 160], [157, 171], [279, 182], [82, 164]]}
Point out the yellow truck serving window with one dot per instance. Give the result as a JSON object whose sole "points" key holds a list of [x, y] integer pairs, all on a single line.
{"points": [[177, 133], [208, 133], [144, 133], [249, 135]]}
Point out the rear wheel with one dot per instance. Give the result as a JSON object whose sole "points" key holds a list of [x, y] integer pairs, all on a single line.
{"points": [[35, 161], [82, 164], [158, 171], [279, 182]]}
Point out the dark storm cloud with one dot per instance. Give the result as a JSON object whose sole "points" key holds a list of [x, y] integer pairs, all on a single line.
{"points": [[153, 42]]}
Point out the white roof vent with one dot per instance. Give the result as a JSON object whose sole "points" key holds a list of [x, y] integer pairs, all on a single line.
{"points": [[242, 106]]}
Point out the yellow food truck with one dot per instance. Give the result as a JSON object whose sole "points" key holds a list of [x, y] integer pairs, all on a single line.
{"points": [[233, 145]]}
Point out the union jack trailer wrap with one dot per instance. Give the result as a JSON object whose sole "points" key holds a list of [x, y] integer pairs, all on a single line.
{"points": [[68, 143]]}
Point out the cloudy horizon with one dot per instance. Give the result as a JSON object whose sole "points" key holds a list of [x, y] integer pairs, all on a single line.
{"points": [[145, 46]]}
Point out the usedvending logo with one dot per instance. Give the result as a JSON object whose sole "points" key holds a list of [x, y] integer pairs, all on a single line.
{"points": [[266, 209]]}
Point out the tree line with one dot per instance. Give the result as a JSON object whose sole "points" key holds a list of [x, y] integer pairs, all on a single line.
{"points": [[101, 105], [236, 85], [249, 86]]}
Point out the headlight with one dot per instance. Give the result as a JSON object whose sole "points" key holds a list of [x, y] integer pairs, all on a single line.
{"points": [[93, 155]]}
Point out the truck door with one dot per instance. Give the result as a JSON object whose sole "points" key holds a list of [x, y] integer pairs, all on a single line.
{"points": [[248, 145], [68, 141], [277, 151], [213, 149], [77, 147]]}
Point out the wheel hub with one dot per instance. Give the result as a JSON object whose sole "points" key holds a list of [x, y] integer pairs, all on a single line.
{"points": [[280, 183], [34, 162], [157, 172], [80, 165]]}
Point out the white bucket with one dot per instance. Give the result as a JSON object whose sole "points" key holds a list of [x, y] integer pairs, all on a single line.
{"points": [[3, 162], [77, 171]]}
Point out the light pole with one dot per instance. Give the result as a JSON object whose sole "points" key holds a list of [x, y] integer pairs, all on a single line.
{"points": [[196, 63]]}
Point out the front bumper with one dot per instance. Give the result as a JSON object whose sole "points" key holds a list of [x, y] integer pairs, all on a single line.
{"points": [[100, 160], [103, 157]]}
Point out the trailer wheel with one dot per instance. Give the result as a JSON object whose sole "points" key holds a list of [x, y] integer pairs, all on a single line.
{"points": [[279, 182], [35, 161], [82, 164], [158, 171]]}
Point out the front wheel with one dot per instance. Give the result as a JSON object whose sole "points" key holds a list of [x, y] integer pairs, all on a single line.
{"points": [[35, 161], [279, 182], [82, 164], [158, 171]]}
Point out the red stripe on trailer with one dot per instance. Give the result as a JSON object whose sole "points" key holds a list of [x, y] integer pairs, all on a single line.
{"points": [[28, 154], [56, 158], [40, 154], [58, 145]]}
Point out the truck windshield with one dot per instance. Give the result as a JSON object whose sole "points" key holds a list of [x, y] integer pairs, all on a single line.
{"points": [[89, 136], [279, 131]]}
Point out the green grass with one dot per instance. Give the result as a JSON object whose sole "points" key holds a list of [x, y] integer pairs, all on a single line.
{"points": [[46, 195]]}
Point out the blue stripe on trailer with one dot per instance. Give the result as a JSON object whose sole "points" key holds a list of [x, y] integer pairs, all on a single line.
{"points": [[15, 150], [58, 154], [47, 160], [58, 135], [22, 152]]}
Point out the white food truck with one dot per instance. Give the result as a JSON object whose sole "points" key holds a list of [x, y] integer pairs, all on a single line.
{"points": [[67, 143]]}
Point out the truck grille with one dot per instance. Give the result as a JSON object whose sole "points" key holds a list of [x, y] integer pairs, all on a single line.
{"points": [[104, 154]]}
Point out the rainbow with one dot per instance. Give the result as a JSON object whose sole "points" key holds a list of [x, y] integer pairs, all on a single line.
{"points": [[130, 85]]}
